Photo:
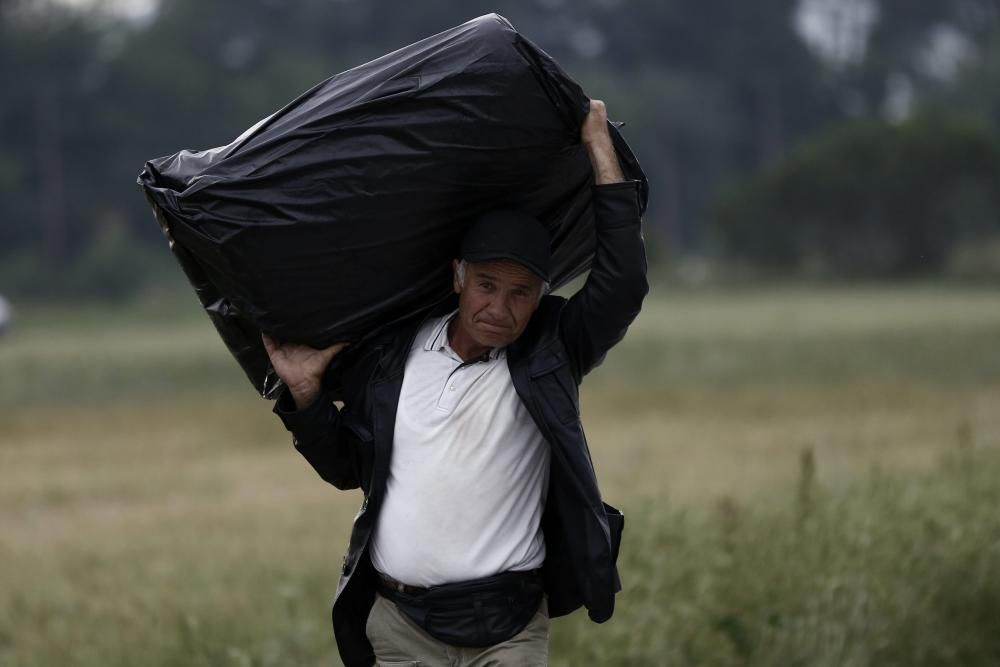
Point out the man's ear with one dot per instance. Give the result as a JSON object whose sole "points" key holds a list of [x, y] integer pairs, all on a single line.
{"points": [[455, 283]]}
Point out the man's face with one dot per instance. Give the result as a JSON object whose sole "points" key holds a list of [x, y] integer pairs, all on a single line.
{"points": [[496, 301]]}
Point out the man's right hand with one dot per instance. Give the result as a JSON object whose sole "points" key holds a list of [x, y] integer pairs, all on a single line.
{"points": [[300, 367]]}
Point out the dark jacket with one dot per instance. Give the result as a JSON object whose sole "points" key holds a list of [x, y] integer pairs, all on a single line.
{"points": [[564, 339]]}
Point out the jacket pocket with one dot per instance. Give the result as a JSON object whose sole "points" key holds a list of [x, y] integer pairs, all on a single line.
{"points": [[556, 390], [359, 431], [357, 426]]}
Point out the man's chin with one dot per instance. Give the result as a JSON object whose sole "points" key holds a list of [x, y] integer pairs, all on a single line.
{"points": [[489, 337]]}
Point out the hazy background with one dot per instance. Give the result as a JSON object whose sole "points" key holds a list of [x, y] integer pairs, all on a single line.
{"points": [[827, 138], [802, 427]]}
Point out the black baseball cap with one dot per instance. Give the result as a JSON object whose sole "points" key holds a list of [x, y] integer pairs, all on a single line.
{"points": [[508, 234]]}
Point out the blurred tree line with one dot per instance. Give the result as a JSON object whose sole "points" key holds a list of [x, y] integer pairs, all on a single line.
{"points": [[855, 135]]}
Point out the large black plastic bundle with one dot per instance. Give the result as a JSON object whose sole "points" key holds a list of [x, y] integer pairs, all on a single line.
{"points": [[340, 213]]}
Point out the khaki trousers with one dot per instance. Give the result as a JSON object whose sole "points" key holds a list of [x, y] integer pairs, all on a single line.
{"points": [[400, 642]]}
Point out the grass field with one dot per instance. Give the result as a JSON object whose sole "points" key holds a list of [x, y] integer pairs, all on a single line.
{"points": [[809, 476]]}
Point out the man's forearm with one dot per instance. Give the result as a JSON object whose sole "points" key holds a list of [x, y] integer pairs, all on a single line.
{"points": [[604, 160], [595, 137]]}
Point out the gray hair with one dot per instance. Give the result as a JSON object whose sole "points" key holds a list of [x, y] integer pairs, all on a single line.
{"points": [[546, 287]]}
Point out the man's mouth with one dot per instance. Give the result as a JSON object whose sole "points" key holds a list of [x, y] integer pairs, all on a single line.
{"points": [[491, 325]]}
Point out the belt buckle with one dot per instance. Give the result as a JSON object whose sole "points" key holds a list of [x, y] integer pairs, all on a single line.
{"points": [[397, 586]]}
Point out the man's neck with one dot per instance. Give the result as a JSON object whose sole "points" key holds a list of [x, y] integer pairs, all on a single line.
{"points": [[462, 344]]}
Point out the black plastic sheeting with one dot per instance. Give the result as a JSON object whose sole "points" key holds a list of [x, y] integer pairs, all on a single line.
{"points": [[340, 214]]}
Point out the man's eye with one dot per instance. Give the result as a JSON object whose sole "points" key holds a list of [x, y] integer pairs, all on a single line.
{"points": [[486, 285]]}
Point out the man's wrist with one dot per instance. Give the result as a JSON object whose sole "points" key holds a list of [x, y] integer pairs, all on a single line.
{"points": [[304, 396], [604, 160]]}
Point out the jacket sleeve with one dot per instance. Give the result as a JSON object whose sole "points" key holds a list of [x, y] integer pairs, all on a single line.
{"points": [[322, 434], [597, 316]]}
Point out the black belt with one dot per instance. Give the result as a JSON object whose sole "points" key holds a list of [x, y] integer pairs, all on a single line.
{"points": [[387, 582]]}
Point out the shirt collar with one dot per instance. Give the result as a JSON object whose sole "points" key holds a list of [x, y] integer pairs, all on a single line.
{"points": [[437, 340]]}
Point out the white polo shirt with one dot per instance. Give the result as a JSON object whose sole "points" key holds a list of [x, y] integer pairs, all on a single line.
{"points": [[469, 470]]}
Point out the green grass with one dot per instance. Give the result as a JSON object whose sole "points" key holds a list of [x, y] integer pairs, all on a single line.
{"points": [[103, 353], [809, 336], [894, 571], [808, 475]]}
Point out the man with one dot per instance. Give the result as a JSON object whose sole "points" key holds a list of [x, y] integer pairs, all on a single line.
{"points": [[481, 516]]}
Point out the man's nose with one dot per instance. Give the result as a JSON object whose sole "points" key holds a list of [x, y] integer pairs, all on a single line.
{"points": [[497, 307]]}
